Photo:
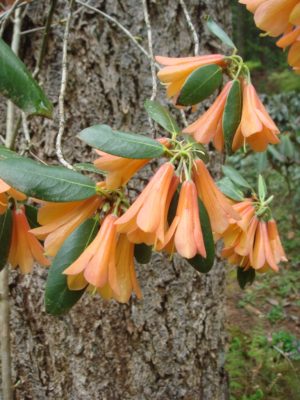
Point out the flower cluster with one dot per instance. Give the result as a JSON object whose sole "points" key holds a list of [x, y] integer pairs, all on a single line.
{"points": [[279, 17], [254, 126]]}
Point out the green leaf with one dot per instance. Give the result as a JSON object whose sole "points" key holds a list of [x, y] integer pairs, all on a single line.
{"points": [[219, 33], [5, 236], [287, 147], [232, 114], [262, 188], [235, 176], [6, 153], [162, 116], [276, 155], [121, 144], [200, 84], [88, 167], [45, 182], [58, 298], [230, 190], [142, 253], [200, 263], [17, 84], [245, 276], [31, 215]]}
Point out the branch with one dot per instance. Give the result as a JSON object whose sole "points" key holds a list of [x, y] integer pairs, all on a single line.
{"points": [[191, 26], [61, 99], [6, 15], [119, 25]]}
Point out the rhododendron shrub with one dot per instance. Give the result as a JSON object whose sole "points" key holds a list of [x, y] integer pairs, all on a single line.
{"points": [[94, 232]]}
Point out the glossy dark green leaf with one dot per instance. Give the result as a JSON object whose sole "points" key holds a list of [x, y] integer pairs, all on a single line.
{"points": [[17, 84], [245, 277], [219, 33], [230, 190], [121, 144], [5, 236], [235, 176], [162, 116], [200, 84], [32, 216], [88, 167], [142, 253], [232, 114], [58, 298], [200, 263], [173, 206], [43, 182]]}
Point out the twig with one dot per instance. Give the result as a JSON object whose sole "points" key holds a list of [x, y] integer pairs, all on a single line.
{"points": [[116, 22], [6, 15], [152, 62], [61, 99], [191, 26], [45, 38], [25, 128], [4, 290]]}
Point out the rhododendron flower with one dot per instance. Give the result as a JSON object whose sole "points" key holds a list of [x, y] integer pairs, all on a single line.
{"points": [[185, 229], [292, 38], [252, 242], [294, 57], [256, 128], [59, 220], [125, 273], [216, 204], [177, 70], [97, 262], [6, 192], [251, 4], [24, 248], [209, 126], [120, 170], [145, 220]]}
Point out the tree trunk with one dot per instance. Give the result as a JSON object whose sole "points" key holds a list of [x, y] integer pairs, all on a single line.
{"points": [[170, 345]]}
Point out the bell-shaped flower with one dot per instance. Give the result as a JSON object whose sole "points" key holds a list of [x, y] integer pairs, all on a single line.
{"points": [[185, 229], [59, 220], [217, 205], [252, 5], [176, 70], [24, 248], [145, 220], [98, 261], [209, 126], [125, 273], [257, 127]]}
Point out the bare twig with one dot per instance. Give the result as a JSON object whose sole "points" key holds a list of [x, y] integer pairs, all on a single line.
{"points": [[61, 99], [45, 38], [119, 25], [6, 15], [191, 26], [25, 128], [4, 290]]}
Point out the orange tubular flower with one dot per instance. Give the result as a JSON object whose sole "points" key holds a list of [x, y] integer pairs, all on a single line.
{"points": [[276, 16], [209, 126], [292, 38], [216, 204], [252, 242], [59, 220], [125, 272], [252, 5], [145, 220], [97, 262], [177, 70], [185, 229], [256, 128], [24, 248]]}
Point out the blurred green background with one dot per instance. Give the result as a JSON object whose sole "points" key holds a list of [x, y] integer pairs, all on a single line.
{"points": [[263, 360]]}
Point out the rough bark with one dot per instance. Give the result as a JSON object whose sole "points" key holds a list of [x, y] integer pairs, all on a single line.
{"points": [[170, 345]]}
